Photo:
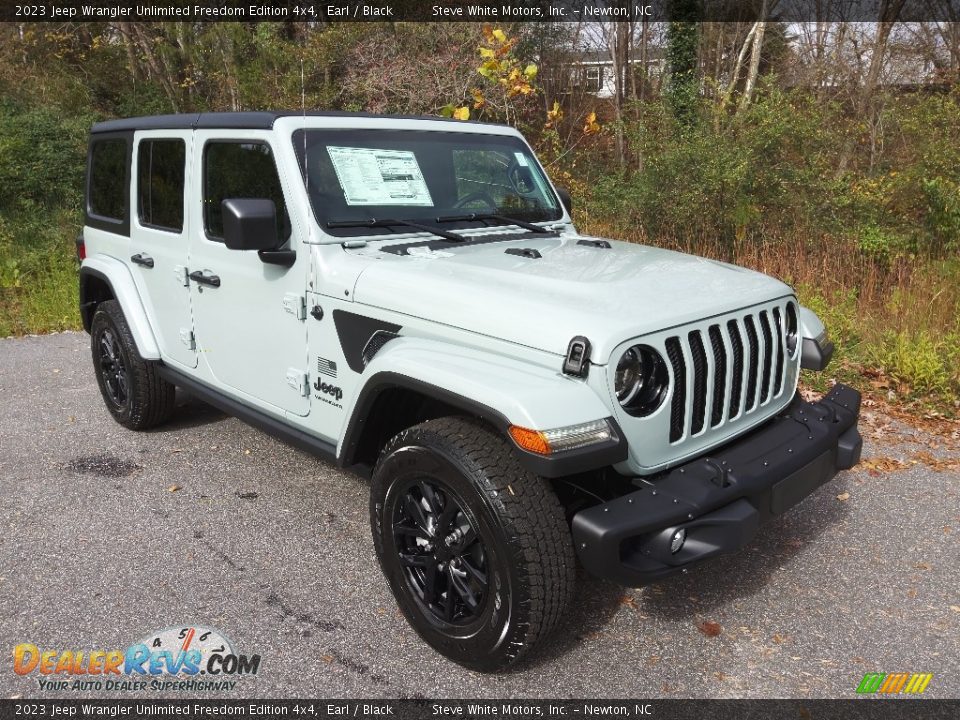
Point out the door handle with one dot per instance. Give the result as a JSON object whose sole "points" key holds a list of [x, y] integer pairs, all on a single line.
{"points": [[141, 259], [198, 277]]}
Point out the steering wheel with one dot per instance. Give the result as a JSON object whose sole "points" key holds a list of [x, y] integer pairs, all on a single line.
{"points": [[474, 196], [521, 178]]}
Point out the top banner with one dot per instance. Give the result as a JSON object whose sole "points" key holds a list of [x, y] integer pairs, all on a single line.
{"points": [[571, 11]]}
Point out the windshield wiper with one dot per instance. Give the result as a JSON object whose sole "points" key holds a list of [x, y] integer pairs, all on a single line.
{"points": [[493, 216], [373, 222]]}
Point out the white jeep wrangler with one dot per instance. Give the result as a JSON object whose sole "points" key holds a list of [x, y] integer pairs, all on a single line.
{"points": [[409, 298]]}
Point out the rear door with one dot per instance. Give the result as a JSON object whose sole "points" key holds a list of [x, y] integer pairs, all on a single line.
{"points": [[159, 239], [250, 321]]}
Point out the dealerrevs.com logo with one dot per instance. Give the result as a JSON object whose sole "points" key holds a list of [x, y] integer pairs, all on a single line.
{"points": [[191, 658]]}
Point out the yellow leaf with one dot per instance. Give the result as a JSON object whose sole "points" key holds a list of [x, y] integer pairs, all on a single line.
{"points": [[486, 52], [591, 126], [461, 113], [530, 71], [499, 35], [554, 115], [478, 99]]}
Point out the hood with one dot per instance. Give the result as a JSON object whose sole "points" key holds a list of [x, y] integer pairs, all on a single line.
{"points": [[608, 295]]}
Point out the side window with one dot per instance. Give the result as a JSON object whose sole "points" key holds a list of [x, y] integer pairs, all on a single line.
{"points": [[160, 178], [240, 170], [107, 196]]}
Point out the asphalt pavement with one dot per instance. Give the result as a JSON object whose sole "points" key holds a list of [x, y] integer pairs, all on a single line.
{"points": [[109, 535]]}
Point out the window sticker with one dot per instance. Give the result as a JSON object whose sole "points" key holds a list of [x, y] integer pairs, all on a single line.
{"points": [[379, 177], [521, 159]]}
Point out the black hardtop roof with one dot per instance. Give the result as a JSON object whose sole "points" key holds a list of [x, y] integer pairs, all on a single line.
{"points": [[254, 120]]}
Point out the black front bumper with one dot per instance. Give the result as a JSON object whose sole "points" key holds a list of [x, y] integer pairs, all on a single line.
{"points": [[721, 498]]}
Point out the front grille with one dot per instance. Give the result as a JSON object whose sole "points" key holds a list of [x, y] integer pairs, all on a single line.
{"points": [[741, 369], [754, 362], [720, 371], [778, 374], [675, 354], [767, 357]]}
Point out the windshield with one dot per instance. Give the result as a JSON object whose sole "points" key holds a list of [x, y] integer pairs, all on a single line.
{"points": [[359, 175]]}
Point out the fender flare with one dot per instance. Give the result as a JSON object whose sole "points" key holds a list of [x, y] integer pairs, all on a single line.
{"points": [[117, 276], [501, 391], [816, 349]]}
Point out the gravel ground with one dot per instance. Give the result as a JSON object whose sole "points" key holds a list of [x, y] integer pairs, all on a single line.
{"points": [[109, 535]]}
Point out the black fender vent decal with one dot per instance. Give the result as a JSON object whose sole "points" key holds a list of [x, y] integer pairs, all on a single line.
{"points": [[356, 332], [374, 344]]}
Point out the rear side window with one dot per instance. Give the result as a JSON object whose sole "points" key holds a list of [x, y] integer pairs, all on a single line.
{"points": [[108, 179], [240, 170], [160, 178]]}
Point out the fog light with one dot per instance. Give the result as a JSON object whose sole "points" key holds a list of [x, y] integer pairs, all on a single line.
{"points": [[677, 541]]}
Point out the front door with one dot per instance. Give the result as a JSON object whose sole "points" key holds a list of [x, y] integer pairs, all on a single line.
{"points": [[158, 239], [249, 315]]}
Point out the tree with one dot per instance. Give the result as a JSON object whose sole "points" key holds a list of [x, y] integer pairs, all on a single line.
{"points": [[683, 88]]}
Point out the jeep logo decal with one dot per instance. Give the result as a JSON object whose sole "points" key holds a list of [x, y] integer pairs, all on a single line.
{"points": [[333, 390]]}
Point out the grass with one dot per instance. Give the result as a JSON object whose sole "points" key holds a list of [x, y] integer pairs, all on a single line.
{"points": [[38, 273]]}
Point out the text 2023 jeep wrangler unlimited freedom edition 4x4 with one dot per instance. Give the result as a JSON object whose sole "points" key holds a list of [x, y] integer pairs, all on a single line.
{"points": [[410, 298]]}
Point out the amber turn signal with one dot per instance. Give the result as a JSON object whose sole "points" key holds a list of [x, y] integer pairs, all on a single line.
{"points": [[532, 440]]}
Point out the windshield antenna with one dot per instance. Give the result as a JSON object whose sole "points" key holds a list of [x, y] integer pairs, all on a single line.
{"points": [[306, 172]]}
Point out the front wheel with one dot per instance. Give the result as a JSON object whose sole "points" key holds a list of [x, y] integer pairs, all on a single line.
{"points": [[476, 550]]}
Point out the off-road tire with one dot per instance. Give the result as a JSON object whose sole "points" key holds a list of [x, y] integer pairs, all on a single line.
{"points": [[523, 532], [149, 399]]}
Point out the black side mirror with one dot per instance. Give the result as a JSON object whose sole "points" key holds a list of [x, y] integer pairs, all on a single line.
{"points": [[565, 199], [249, 224]]}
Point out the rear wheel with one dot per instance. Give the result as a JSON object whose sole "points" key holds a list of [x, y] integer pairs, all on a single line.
{"points": [[132, 389], [476, 549]]}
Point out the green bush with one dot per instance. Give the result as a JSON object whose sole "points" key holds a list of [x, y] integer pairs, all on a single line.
{"points": [[41, 158], [920, 363]]}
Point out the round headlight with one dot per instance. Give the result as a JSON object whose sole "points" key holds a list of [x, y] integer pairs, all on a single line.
{"points": [[792, 329], [641, 380]]}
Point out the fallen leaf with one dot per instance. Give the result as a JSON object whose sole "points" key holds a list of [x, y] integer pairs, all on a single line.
{"points": [[935, 464], [843, 497], [923, 566], [878, 465], [955, 608], [174, 488], [629, 602], [710, 628]]}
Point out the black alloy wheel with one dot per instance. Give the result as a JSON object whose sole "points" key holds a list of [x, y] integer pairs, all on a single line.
{"points": [[132, 388], [475, 548], [444, 558], [112, 369]]}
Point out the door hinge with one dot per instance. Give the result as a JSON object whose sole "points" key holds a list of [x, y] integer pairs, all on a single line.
{"points": [[180, 272], [296, 305], [299, 381], [188, 338]]}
